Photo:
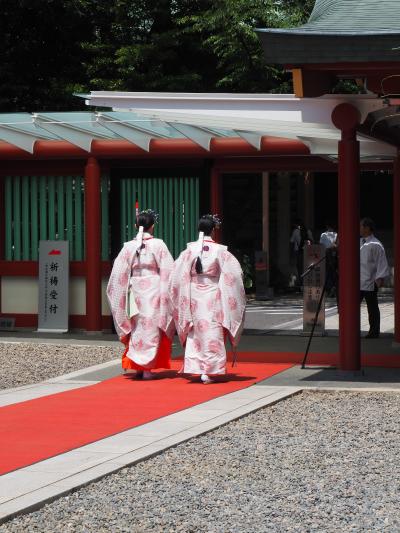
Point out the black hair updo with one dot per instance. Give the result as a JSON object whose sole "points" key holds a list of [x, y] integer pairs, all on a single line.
{"points": [[146, 220]]}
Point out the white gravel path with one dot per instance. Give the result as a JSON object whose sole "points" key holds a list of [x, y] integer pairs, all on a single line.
{"points": [[26, 363], [318, 462]]}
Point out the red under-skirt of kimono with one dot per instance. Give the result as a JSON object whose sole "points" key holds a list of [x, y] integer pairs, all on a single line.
{"points": [[163, 357]]}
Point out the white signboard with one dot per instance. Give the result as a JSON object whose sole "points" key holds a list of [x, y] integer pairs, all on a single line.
{"points": [[53, 286]]}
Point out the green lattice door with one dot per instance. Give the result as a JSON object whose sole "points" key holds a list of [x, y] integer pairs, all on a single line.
{"points": [[175, 199], [49, 208]]}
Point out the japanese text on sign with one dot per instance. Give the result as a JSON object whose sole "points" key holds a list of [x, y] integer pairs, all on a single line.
{"points": [[53, 286]]}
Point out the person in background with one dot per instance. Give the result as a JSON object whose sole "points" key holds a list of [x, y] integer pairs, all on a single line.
{"points": [[329, 240], [329, 236], [301, 236], [209, 302], [139, 300], [373, 271]]}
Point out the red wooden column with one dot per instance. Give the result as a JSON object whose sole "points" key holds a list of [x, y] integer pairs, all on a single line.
{"points": [[93, 245], [346, 118], [216, 198], [396, 237], [2, 226]]}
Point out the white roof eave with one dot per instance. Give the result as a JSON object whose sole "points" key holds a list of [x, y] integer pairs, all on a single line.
{"points": [[25, 141], [289, 107], [71, 132], [252, 116]]}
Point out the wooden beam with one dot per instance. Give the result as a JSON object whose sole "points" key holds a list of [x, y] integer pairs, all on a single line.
{"points": [[310, 83], [297, 77]]}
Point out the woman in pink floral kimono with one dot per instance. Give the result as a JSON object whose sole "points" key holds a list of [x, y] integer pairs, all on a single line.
{"points": [[138, 296], [209, 302]]}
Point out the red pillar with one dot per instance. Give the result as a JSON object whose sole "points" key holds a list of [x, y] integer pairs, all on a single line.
{"points": [[2, 225], [93, 245], [216, 198], [346, 118], [396, 237]]}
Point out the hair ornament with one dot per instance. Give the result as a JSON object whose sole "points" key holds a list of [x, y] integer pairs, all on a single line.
{"points": [[150, 212], [215, 218]]}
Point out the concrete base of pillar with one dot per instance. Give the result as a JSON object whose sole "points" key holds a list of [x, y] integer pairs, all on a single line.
{"points": [[346, 375], [315, 334], [267, 294]]}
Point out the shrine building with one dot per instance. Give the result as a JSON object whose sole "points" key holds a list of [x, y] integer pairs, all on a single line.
{"points": [[259, 160]]}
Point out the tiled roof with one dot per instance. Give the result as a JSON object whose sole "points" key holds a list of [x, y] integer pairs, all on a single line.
{"points": [[339, 30], [353, 17]]}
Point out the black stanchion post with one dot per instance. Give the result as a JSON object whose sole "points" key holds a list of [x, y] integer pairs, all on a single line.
{"points": [[305, 273]]}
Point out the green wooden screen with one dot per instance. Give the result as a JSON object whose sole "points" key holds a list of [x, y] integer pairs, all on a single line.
{"points": [[48, 208], [105, 228], [175, 199]]}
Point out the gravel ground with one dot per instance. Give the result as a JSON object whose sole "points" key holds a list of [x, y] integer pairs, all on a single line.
{"points": [[26, 363], [323, 462]]}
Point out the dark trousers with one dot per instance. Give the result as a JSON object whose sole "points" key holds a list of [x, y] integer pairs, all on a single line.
{"points": [[374, 315], [300, 267]]}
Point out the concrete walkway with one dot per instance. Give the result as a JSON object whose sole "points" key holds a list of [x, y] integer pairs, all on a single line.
{"points": [[31, 487], [285, 316]]}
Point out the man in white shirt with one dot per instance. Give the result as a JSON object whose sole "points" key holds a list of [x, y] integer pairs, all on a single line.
{"points": [[373, 271], [329, 240], [328, 237]]}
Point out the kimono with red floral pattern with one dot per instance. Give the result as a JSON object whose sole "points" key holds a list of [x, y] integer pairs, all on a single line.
{"points": [[150, 275], [207, 304]]}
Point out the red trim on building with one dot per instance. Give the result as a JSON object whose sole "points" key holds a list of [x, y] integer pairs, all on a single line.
{"points": [[396, 245], [295, 164], [28, 320], [216, 202], [158, 148], [93, 244], [355, 68], [31, 268], [346, 118], [256, 163], [2, 227], [42, 168]]}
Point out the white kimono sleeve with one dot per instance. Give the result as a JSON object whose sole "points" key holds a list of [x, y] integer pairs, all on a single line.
{"points": [[180, 293], [165, 265], [233, 297], [116, 292]]}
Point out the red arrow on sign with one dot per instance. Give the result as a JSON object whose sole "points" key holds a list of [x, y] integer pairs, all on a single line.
{"points": [[55, 252]]}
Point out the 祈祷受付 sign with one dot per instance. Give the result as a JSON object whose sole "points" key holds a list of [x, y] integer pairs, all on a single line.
{"points": [[53, 286]]}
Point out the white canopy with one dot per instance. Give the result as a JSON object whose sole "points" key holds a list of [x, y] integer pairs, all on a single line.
{"points": [[251, 116]]}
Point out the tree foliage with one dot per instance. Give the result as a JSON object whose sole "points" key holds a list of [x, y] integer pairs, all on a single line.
{"points": [[53, 48], [226, 29], [40, 42]]}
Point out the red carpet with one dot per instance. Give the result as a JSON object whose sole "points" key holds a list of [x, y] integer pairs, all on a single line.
{"points": [[38, 429]]}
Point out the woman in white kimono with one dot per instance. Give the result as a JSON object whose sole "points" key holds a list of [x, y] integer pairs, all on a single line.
{"points": [[209, 302], [138, 296]]}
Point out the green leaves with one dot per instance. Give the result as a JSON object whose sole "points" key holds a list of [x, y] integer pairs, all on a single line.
{"points": [[136, 45]]}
